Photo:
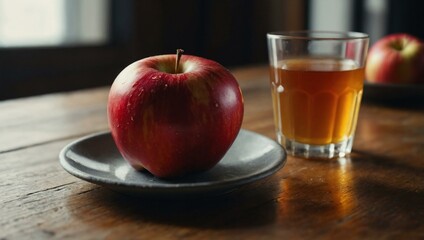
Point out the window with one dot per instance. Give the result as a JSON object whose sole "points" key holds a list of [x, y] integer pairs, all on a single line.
{"points": [[60, 45], [375, 17], [29, 23], [74, 44]]}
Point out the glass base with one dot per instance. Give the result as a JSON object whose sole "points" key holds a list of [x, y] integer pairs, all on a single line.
{"points": [[332, 150]]}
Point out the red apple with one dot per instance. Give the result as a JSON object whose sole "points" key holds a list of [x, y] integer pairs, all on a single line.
{"points": [[174, 116], [396, 58]]}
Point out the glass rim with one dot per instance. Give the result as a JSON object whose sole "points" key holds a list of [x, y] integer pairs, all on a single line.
{"points": [[317, 35]]}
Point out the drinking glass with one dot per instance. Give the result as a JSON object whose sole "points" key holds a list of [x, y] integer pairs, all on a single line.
{"points": [[316, 85]]}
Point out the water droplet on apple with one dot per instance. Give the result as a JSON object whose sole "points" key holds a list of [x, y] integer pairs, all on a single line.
{"points": [[132, 119], [154, 77], [216, 105], [140, 92], [280, 89]]}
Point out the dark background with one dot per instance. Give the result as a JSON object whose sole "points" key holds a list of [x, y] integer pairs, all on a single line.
{"points": [[230, 32]]}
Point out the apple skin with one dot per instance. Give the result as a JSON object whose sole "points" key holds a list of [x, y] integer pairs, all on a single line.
{"points": [[173, 124], [396, 58]]}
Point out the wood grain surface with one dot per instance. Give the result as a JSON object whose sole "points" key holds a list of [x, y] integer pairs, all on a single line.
{"points": [[375, 193]]}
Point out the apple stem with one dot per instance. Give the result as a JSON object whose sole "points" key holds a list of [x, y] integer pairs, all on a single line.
{"points": [[177, 62]]}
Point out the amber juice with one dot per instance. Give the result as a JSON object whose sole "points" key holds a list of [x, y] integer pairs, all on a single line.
{"points": [[316, 100]]}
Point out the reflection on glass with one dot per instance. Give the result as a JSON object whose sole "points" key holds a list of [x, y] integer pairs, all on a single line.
{"points": [[28, 23]]}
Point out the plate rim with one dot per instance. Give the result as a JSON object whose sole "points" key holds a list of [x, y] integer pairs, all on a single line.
{"points": [[186, 186]]}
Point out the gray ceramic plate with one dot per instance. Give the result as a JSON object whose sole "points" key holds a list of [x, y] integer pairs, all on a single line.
{"points": [[96, 159]]}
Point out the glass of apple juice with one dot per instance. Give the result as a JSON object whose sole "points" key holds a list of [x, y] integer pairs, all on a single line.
{"points": [[316, 85]]}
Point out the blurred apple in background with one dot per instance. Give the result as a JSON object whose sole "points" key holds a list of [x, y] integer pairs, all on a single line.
{"points": [[174, 115], [396, 58]]}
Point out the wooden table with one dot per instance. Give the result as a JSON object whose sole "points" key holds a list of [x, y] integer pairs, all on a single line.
{"points": [[376, 193]]}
